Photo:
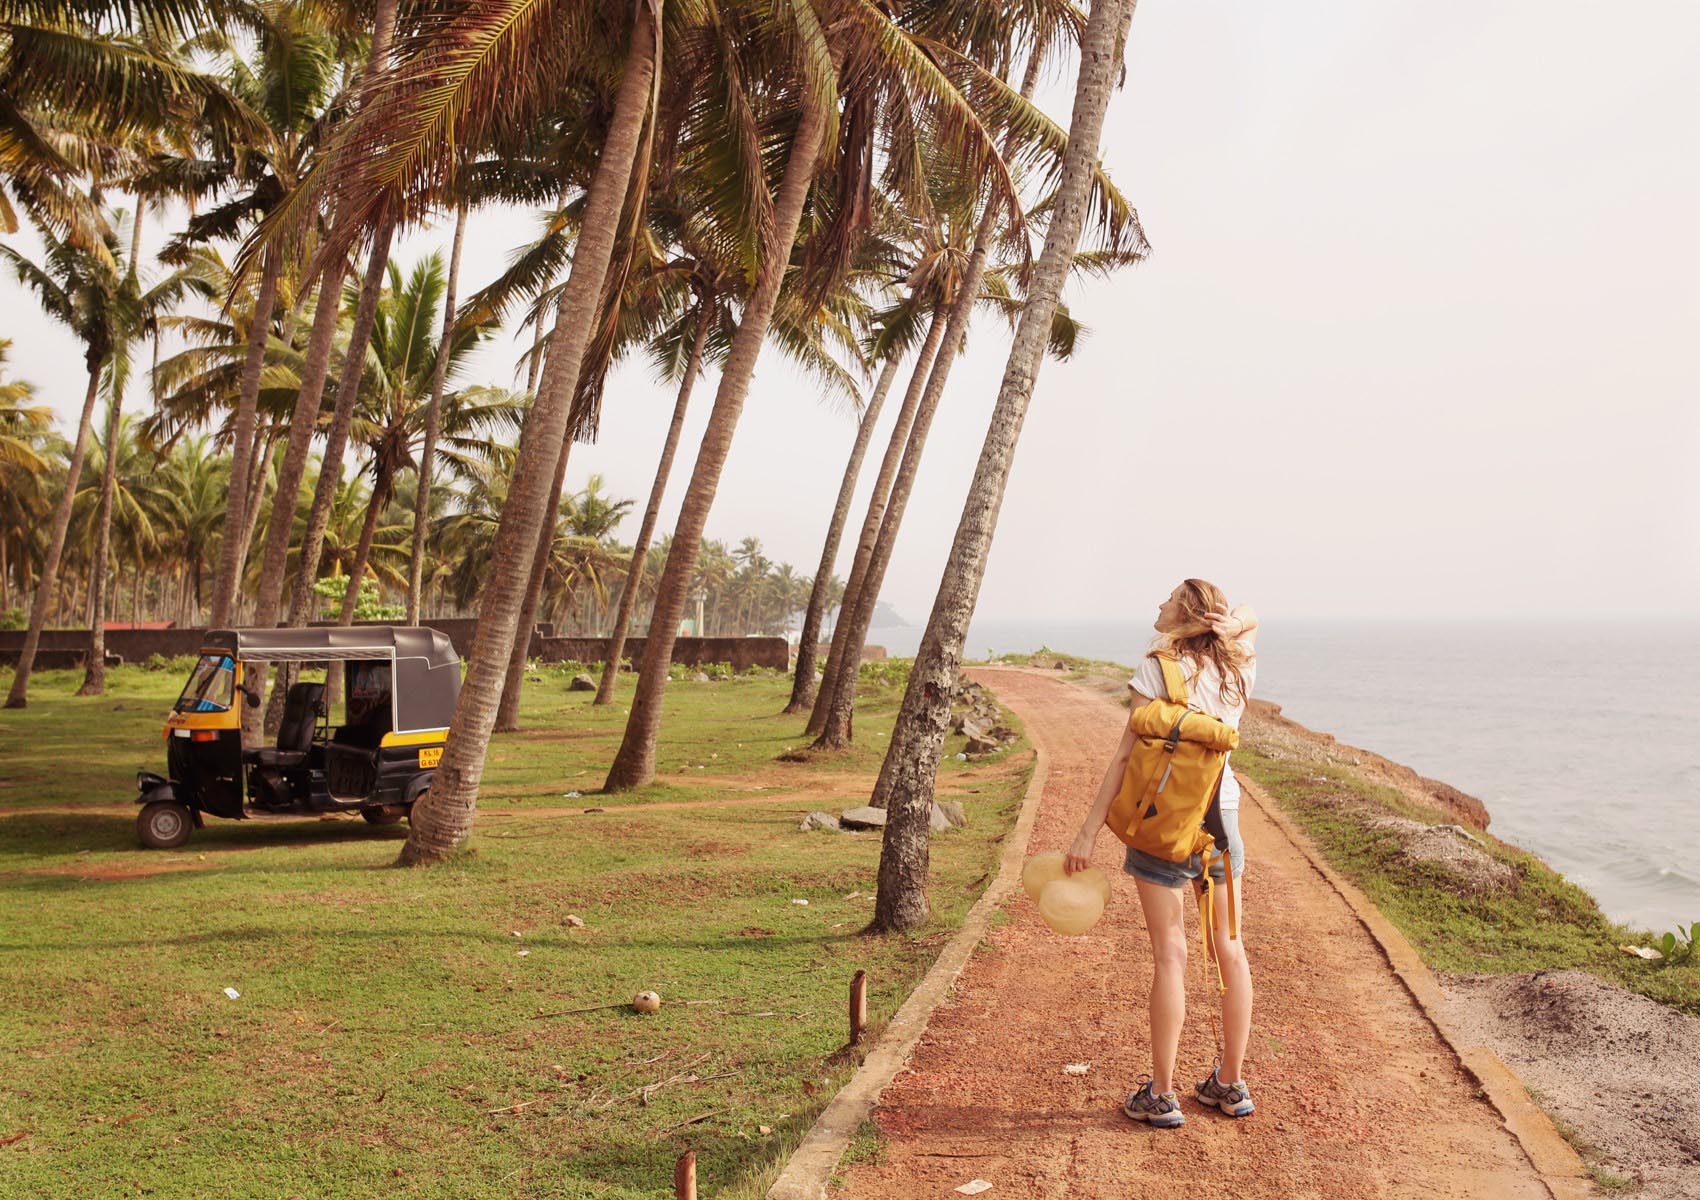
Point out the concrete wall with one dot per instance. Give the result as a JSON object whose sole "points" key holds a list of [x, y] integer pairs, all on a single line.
{"points": [[61, 648], [741, 652]]}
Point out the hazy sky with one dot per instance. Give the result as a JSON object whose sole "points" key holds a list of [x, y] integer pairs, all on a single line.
{"points": [[1418, 337]]}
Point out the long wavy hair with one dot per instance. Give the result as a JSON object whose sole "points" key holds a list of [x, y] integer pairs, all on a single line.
{"points": [[1194, 638]]}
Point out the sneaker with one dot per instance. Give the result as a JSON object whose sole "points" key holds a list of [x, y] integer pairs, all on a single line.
{"points": [[1163, 1112], [1232, 1098]]}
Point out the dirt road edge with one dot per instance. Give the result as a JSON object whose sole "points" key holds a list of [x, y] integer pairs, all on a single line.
{"points": [[1561, 1169], [811, 1165]]}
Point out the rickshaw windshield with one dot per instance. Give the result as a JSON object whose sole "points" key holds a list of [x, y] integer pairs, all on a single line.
{"points": [[211, 685]]}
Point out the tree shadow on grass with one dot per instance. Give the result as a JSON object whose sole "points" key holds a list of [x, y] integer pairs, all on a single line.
{"points": [[30, 835]]}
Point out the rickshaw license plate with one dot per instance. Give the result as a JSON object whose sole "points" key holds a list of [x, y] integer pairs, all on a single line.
{"points": [[430, 756]]}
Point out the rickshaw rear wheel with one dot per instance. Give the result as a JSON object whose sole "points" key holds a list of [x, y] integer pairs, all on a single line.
{"points": [[164, 824], [387, 815]]}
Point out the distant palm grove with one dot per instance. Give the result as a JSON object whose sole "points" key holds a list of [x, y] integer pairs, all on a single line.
{"points": [[278, 424]]}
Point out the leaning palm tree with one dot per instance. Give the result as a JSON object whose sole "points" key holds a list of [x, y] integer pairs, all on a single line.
{"points": [[83, 87], [285, 72], [883, 68], [911, 764], [329, 267], [105, 307], [136, 314], [960, 277]]}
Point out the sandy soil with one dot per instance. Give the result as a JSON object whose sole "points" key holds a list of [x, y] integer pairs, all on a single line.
{"points": [[1358, 1096], [1618, 1068]]}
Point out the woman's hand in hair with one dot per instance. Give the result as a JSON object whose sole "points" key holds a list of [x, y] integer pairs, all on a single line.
{"points": [[1225, 625]]}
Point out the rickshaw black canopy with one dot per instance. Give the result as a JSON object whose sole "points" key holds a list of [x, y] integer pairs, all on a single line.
{"points": [[426, 667]]}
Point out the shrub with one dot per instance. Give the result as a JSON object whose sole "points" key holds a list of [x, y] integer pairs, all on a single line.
{"points": [[885, 672]]}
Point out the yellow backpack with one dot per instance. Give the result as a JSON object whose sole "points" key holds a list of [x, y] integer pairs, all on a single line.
{"points": [[1172, 777]]}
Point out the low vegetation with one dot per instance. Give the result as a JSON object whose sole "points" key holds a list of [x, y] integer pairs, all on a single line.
{"points": [[410, 1033], [1537, 921]]}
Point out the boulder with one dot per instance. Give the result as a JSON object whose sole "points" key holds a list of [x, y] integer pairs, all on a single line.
{"points": [[582, 683], [818, 820], [981, 744], [866, 817], [953, 812], [700, 677]]}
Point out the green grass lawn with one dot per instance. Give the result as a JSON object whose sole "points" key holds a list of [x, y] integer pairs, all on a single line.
{"points": [[388, 1040]]}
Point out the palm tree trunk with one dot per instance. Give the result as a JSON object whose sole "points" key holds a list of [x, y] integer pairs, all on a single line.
{"points": [[536, 353], [912, 759], [258, 460], [427, 456], [268, 592], [640, 548], [507, 711], [336, 437], [442, 819], [634, 765], [836, 660], [49, 582], [305, 419], [362, 554], [804, 684], [94, 670], [242, 462]]}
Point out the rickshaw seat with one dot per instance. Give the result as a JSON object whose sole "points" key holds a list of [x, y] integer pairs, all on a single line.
{"points": [[295, 732]]}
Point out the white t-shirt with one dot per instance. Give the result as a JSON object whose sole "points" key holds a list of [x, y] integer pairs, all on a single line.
{"points": [[1204, 687]]}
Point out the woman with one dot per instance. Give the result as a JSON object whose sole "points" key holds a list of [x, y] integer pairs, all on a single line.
{"points": [[1216, 650]]}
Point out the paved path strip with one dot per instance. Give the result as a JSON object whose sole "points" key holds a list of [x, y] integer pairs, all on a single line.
{"points": [[1359, 1095]]}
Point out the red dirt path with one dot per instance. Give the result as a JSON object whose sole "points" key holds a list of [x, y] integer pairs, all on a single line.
{"points": [[1357, 1094]]}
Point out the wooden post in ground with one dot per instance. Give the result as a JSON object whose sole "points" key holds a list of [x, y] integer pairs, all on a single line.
{"points": [[858, 1006], [685, 1176]]}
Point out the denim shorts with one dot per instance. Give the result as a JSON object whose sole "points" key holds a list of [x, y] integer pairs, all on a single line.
{"points": [[1224, 823]]}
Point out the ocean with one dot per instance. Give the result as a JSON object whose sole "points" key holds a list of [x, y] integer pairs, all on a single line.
{"points": [[1580, 738]]}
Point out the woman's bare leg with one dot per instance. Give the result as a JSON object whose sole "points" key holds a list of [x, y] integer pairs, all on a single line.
{"points": [[1165, 922], [1236, 1002]]}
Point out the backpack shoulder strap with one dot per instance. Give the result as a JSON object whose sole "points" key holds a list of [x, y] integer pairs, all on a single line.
{"points": [[1174, 680]]}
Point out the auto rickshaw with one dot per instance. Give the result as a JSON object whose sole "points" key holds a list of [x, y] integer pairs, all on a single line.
{"points": [[401, 684]]}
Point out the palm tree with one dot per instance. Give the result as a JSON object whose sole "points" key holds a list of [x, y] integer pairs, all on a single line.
{"points": [[433, 407], [892, 70], [960, 282], [406, 367], [103, 304], [85, 86], [196, 486], [652, 510], [582, 555], [912, 758], [288, 81], [332, 264], [25, 430], [803, 683], [442, 819], [135, 313], [881, 492]]}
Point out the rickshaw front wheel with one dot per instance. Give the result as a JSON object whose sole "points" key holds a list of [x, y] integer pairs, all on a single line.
{"points": [[164, 824]]}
